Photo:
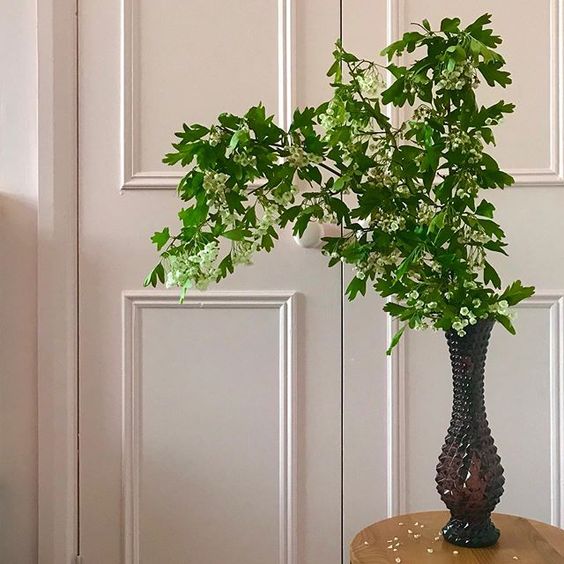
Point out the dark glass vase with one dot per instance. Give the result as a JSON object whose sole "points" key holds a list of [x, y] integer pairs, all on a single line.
{"points": [[469, 474]]}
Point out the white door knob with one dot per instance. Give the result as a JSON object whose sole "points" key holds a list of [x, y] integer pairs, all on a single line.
{"points": [[311, 237]]}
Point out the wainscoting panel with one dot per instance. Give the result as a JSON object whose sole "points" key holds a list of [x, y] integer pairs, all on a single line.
{"points": [[530, 142], [523, 391], [189, 61], [209, 428]]}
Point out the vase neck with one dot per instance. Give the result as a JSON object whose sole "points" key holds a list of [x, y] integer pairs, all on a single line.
{"points": [[468, 360]]}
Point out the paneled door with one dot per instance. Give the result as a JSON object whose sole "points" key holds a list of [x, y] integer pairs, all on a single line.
{"points": [[210, 431], [524, 374], [261, 421]]}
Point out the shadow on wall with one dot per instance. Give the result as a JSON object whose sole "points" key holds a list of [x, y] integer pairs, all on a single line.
{"points": [[18, 374]]}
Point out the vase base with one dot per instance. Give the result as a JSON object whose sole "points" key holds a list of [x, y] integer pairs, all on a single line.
{"points": [[462, 533]]}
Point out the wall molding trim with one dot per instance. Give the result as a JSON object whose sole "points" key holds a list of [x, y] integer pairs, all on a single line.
{"points": [[396, 421], [134, 179], [133, 305], [57, 308], [551, 300]]}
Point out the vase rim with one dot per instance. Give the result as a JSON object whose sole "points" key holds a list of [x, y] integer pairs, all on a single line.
{"points": [[480, 323]]}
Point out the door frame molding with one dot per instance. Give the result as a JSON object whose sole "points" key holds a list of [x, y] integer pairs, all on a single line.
{"points": [[57, 239]]}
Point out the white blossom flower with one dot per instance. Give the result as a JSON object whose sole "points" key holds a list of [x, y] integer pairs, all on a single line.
{"points": [[388, 221], [245, 160], [189, 271], [215, 181], [501, 308], [425, 213], [371, 83], [215, 136], [458, 77], [299, 157]]}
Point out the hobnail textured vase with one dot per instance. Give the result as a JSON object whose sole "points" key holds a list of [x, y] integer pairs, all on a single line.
{"points": [[469, 474]]}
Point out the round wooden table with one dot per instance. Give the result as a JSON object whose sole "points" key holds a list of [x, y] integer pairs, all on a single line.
{"points": [[415, 539]]}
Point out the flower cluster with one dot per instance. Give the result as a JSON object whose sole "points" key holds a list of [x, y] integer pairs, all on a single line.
{"points": [[388, 222], [422, 113], [425, 212], [193, 270], [298, 157], [458, 75], [371, 83], [216, 136], [459, 140], [376, 264], [334, 116], [467, 185], [242, 251], [500, 308], [244, 159], [383, 176], [215, 181]]}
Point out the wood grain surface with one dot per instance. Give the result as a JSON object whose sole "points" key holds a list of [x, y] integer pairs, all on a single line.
{"points": [[415, 539]]}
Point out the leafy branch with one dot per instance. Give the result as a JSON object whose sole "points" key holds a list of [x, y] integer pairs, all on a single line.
{"points": [[408, 195]]}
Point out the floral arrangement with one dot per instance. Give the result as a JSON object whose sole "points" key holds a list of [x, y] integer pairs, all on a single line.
{"points": [[407, 196]]}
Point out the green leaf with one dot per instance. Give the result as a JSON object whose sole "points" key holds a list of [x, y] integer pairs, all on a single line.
{"points": [[301, 224], [516, 292], [236, 234], [229, 121], [302, 118], [235, 201], [396, 339], [437, 222], [491, 275], [339, 207], [493, 75], [506, 322], [239, 137], [355, 287], [194, 216], [192, 133], [406, 263], [161, 238], [411, 40], [484, 36], [395, 93], [156, 275], [479, 23], [226, 266], [488, 135], [450, 25], [393, 48], [496, 247], [334, 68], [289, 214], [260, 124], [485, 209], [395, 309], [491, 228]]}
